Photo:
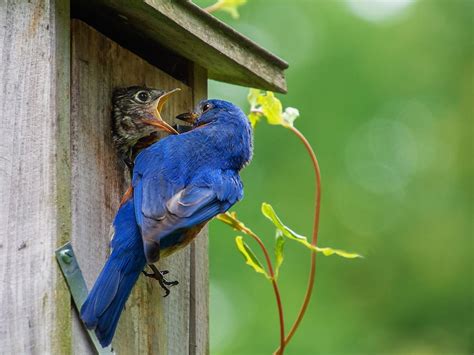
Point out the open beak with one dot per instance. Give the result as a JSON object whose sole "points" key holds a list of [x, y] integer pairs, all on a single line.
{"points": [[189, 117], [161, 126], [159, 123], [160, 102]]}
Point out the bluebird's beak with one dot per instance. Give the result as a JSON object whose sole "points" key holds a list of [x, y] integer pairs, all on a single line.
{"points": [[189, 117], [159, 123]]}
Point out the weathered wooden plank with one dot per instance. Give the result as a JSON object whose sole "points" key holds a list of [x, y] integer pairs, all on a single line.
{"points": [[150, 323], [199, 312], [192, 33], [34, 175]]}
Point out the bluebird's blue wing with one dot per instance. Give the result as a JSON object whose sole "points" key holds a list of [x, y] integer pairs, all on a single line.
{"points": [[210, 194], [151, 195]]}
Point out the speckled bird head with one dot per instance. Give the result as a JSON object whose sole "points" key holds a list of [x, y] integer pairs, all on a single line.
{"points": [[137, 115]]}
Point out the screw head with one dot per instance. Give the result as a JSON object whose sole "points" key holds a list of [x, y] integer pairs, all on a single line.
{"points": [[66, 256]]}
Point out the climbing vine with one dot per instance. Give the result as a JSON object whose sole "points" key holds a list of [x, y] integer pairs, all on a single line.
{"points": [[265, 106]]}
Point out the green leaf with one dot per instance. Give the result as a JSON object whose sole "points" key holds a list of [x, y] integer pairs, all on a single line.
{"points": [[252, 98], [230, 6], [290, 115], [266, 104], [250, 257], [230, 218], [254, 118], [271, 108], [279, 245], [255, 114], [331, 251], [269, 212]]}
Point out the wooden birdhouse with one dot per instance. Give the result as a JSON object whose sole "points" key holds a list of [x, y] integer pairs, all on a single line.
{"points": [[61, 179]]}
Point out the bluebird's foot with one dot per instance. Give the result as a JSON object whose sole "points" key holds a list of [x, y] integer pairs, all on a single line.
{"points": [[159, 275]]}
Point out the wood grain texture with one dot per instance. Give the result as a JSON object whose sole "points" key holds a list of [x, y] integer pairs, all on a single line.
{"points": [[34, 175], [187, 30], [199, 311], [150, 323]]}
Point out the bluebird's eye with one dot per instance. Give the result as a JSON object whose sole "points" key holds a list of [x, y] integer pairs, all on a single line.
{"points": [[206, 107], [142, 96]]}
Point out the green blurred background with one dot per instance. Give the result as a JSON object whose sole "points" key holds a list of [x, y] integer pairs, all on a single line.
{"points": [[384, 89]]}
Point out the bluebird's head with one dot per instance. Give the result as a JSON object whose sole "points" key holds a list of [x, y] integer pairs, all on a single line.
{"points": [[215, 112], [226, 126]]}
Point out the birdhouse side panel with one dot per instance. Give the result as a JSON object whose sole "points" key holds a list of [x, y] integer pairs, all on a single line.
{"points": [[34, 175]]}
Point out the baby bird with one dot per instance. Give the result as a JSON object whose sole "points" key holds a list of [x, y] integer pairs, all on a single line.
{"points": [[137, 119]]}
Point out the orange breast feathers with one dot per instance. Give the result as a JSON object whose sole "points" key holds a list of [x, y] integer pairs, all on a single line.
{"points": [[127, 196], [187, 238]]}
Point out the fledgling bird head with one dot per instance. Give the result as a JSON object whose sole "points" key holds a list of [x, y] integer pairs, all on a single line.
{"points": [[137, 116], [227, 127]]}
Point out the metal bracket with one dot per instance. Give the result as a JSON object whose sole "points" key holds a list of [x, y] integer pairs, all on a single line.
{"points": [[77, 287]]}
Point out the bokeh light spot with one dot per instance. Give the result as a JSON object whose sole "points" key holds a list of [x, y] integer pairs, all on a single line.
{"points": [[382, 155], [378, 10]]}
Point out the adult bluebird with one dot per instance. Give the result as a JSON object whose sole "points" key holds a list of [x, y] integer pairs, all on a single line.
{"points": [[179, 184]]}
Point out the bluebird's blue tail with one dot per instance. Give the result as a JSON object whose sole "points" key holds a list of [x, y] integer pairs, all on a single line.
{"points": [[102, 308]]}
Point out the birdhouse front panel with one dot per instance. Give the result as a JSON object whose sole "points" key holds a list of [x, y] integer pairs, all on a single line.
{"points": [[150, 323]]}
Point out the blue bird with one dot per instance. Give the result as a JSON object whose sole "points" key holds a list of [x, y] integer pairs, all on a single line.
{"points": [[179, 184]]}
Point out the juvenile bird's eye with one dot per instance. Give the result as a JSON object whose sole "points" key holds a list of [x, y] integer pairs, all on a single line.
{"points": [[142, 96], [206, 107]]}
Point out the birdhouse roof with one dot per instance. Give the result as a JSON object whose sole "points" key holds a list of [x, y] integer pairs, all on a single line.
{"points": [[154, 27]]}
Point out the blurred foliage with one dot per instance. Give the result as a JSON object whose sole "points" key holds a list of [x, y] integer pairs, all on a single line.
{"points": [[229, 6], [387, 103]]}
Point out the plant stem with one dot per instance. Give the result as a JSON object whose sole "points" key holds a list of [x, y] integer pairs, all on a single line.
{"points": [[314, 240], [275, 288]]}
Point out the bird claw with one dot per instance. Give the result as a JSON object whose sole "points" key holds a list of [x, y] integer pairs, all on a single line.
{"points": [[158, 275]]}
